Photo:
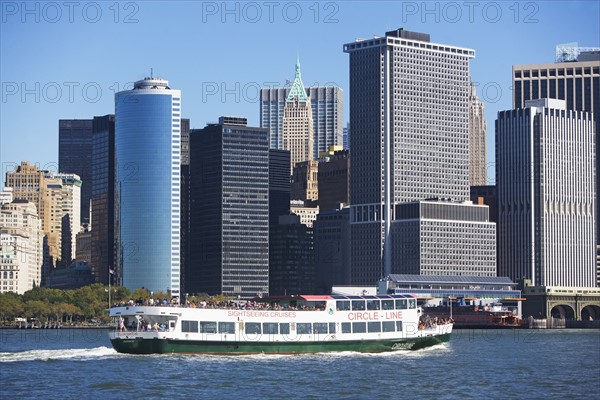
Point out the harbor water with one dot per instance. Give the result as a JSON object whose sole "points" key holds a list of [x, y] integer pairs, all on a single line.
{"points": [[475, 364]]}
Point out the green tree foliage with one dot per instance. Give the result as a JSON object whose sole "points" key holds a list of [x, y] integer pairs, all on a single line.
{"points": [[88, 302]]}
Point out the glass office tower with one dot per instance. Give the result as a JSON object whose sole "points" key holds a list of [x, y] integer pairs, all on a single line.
{"points": [[148, 119]]}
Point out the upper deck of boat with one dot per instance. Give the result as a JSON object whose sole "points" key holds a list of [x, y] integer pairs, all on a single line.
{"points": [[294, 303]]}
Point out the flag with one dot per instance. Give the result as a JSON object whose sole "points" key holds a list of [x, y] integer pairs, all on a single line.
{"points": [[111, 271]]}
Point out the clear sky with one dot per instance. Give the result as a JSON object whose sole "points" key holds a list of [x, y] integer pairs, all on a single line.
{"points": [[62, 60]]}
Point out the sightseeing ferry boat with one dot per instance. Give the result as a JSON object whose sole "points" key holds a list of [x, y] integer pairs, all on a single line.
{"points": [[285, 325]]}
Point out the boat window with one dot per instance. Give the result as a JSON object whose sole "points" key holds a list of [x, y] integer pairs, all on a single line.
{"points": [[401, 304], [284, 328], [359, 327], [189, 326], [412, 303], [208, 327], [399, 326], [343, 305], [332, 327], [374, 326], [271, 328], [387, 304], [302, 328], [346, 327], [373, 305], [253, 328], [388, 326], [226, 327], [320, 327], [358, 305]]}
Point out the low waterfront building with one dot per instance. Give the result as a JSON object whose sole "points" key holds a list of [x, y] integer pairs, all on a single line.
{"points": [[464, 290], [569, 303]]}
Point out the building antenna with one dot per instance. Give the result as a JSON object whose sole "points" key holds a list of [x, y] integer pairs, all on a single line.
{"points": [[151, 73]]}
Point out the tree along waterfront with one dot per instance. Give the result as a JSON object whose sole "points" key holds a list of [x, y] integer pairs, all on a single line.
{"points": [[85, 305]]}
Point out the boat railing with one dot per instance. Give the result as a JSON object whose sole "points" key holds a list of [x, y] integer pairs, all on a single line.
{"points": [[226, 306]]}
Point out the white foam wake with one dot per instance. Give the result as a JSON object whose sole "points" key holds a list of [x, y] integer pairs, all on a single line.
{"points": [[62, 354]]}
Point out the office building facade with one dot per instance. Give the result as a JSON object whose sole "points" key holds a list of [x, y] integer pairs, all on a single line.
{"points": [[577, 82], [444, 238], [229, 209], [305, 184], [334, 178], [21, 252], [148, 145], [291, 257], [75, 157], [70, 219], [545, 178], [332, 249], [279, 184], [104, 216], [409, 115]]}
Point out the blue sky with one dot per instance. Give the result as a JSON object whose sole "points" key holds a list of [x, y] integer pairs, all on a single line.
{"points": [[61, 60]]}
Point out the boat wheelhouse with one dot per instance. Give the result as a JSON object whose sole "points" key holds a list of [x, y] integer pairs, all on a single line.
{"points": [[284, 324]]}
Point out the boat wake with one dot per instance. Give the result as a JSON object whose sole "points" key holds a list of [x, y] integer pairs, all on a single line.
{"points": [[62, 354]]}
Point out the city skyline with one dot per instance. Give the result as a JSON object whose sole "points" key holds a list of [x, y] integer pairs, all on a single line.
{"points": [[65, 85]]}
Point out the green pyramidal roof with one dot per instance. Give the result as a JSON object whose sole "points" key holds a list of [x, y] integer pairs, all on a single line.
{"points": [[297, 89]]}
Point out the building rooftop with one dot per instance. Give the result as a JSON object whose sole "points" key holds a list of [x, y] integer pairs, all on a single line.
{"points": [[450, 279], [297, 91]]}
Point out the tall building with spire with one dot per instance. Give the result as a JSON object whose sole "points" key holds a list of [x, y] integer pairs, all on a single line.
{"points": [[327, 104], [477, 134], [297, 132]]}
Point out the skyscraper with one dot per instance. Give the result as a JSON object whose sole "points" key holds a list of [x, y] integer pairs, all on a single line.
{"points": [[576, 81], [148, 140], [103, 241], [297, 128], [477, 135], [546, 194], [229, 209], [327, 103], [410, 136], [75, 157]]}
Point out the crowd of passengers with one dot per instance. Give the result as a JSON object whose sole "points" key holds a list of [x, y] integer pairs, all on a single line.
{"points": [[433, 322], [229, 305]]}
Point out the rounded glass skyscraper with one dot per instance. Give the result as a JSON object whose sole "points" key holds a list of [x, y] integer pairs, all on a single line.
{"points": [[147, 135]]}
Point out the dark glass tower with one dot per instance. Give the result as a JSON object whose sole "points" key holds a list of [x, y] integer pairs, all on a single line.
{"points": [[229, 209], [75, 156], [103, 196], [279, 184], [291, 258]]}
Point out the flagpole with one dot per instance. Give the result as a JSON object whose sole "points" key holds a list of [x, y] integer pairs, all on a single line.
{"points": [[109, 279]]}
